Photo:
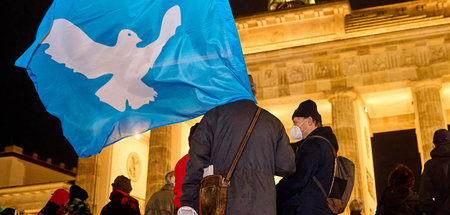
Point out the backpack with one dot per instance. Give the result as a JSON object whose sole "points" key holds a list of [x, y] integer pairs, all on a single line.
{"points": [[342, 183]]}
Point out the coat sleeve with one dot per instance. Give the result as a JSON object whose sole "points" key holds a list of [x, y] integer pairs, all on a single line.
{"points": [[307, 162], [199, 158], [284, 156], [426, 192]]}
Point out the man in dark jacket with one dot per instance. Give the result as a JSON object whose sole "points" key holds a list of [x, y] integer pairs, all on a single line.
{"points": [[161, 202], [299, 194], [121, 202], [435, 181], [216, 141]]}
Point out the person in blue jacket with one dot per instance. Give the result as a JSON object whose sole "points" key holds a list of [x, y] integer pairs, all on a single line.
{"points": [[299, 194]]}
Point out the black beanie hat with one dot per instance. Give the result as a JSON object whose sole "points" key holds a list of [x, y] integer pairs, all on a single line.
{"points": [[122, 183], [77, 192], [308, 108]]}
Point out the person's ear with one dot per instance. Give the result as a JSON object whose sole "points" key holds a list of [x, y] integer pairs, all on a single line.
{"points": [[310, 121]]}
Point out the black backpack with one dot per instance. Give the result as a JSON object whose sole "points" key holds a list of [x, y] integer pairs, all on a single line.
{"points": [[342, 184]]}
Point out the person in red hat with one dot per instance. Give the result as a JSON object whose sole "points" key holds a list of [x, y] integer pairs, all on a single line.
{"points": [[55, 206], [435, 181]]}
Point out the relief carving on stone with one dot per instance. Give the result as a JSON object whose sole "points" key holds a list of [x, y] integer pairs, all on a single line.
{"points": [[269, 78], [134, 166], [328, 69], [408, 58], [350, 66], [378, 63], [300, 73], [437, 54], [323, 70]]}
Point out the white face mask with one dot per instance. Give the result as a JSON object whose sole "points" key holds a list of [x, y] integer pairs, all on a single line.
{"points": [[296, 133]]}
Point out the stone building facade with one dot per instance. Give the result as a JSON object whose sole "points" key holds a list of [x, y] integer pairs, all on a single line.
{"points": [[27, 183]]}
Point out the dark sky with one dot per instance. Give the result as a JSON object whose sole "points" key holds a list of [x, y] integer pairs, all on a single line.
{"points": [[26, 122]]}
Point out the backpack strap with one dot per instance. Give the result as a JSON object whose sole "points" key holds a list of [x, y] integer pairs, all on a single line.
{"points": [[242, 147], [329, 143], [320, 186], [334, 170]]}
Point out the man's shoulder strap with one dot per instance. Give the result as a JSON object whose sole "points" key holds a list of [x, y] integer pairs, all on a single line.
{"points": [[326, 140]]}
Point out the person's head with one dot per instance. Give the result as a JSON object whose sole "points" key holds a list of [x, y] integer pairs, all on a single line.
{"points": [[77, 192], [401, 176], [122, 183], [441, 136], [60, 197], [356, 205], [306, 118], [252, 84], [170, 178], [193, 128]]}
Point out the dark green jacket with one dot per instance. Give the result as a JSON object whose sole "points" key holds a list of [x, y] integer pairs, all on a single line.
{"points": [[161, 202]]}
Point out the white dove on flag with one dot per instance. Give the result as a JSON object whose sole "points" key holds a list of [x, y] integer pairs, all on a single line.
{"points": [[69, 45]]}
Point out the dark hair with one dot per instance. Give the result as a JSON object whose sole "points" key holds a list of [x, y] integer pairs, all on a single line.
{"points": [[401, 175], [317, 123]]}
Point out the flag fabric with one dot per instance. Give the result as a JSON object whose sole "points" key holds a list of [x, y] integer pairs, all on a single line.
{"points": [[109, 69]]}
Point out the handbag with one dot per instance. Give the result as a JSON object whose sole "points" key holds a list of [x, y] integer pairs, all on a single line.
{"points": [[213, 188]]}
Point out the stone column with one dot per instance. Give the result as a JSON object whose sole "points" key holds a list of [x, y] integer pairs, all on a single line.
{"points": [[158, 158], [87, 178], [429, 114], [93, 175], [345, 127]]}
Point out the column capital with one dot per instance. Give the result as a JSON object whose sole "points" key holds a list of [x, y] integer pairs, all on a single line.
{"points": [[428, 83], [341, 93]]}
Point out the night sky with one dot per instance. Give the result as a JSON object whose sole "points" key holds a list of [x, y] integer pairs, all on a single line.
{"points": [[27, 124]]}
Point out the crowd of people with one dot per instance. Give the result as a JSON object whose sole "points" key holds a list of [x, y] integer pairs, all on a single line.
{"points": [[215, 140]]}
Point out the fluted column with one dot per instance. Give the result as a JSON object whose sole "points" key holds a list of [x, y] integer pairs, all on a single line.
{"points": [[429, 114], [158, 158], [345, 127], [87, 177], [93, 175]]}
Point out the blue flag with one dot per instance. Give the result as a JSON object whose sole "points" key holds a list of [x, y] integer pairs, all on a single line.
{"points": [[109, 69]]}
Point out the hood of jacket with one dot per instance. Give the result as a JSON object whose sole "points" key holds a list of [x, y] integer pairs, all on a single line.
{"points": [[326, 132], [168, 187], [441, 150]]}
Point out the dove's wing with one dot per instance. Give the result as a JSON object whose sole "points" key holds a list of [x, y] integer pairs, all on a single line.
{"points": [[170, 22], [71, 46]]}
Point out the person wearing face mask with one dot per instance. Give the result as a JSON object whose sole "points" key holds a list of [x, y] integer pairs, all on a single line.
{"points": [[299, 194]]}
